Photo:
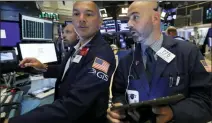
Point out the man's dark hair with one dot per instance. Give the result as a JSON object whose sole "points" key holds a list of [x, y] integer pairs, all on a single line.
{"points": [[171, 30]]}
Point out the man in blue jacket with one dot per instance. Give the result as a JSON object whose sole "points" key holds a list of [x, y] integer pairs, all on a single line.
{"points": [[172, 31], [160, 66], [81, 91]]}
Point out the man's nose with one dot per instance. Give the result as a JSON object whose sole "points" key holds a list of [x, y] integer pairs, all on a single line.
{"points": [[82, 18]]}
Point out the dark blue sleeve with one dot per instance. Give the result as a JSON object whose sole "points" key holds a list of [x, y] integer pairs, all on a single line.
{"points": [[197, 108], [90, 83], [51, 71]]}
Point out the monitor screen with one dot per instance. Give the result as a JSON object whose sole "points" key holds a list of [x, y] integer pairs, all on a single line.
{"points": [[6, 56], [122, 41], [44, 52], [122, 25], [10, 33], [174, 17], [196, 16], [208, 14], [110, 25], [163, 14], [8, 61], [169, 18], [103, 29], [68, 22], [36, 29]]}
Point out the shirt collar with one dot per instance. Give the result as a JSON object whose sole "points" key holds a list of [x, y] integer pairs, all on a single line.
{"points": [[155, 46], [78, 44]]}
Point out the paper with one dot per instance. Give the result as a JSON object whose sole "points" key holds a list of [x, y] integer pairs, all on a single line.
{"points": [[3, 34], [165, 54], [77, 58]]}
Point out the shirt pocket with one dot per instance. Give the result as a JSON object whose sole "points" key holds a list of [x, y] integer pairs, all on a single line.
{"points": [[177, 83]]}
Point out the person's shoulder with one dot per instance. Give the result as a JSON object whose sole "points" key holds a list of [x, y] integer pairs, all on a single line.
{"points": [[185, 44], [127, 58], [179, 38], [103, 51], [185, 47]]}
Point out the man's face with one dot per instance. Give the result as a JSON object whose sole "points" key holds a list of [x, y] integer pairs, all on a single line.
{"points": [[140, 22], [86, 19], [69, 34]]}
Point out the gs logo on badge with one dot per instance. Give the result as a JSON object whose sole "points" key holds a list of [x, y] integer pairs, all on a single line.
{"points": [[99, 74]]}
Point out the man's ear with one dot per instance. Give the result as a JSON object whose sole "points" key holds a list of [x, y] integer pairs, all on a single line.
{"points": [[156, 18]]}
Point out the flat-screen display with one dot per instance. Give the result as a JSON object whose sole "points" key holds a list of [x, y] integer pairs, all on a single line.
{"points": [[10, 33], [196, 16], [169, 18], [33, 28], [207, 15], [6, 56], [122, 26], [8, 61], [103, 29], [110, 25], [122, 41], [44, 52], [68, 22]]}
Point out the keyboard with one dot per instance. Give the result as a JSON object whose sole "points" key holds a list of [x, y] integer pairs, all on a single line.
{"points": [[10, 104], [42, 93]]}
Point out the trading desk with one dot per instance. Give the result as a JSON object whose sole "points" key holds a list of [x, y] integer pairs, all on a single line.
{"points": [[29, 103]]}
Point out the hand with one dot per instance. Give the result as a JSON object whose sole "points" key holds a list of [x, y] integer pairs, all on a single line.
{"points": [[115, 116], [208, 68], [6, 121], [32, 62], [164, 114]]}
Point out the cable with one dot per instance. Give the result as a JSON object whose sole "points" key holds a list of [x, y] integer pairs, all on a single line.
{"points": [[111, 83], [129, 74]]}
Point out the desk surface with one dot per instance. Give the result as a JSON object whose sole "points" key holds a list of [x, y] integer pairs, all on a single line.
{"points": [[29, 103]]}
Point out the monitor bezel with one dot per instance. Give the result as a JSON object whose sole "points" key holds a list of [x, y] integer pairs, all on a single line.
{"points": [[21, 34], [34, 42]]}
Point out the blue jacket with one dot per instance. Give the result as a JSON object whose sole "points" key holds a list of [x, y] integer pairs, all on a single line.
{"points": [[195, 82], [82, 95]]}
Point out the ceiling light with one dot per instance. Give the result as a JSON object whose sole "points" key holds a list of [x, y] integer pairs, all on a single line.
{"points": [[122, 15], [107, 18]]}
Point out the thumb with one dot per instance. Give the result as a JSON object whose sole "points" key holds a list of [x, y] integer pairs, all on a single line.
{"points": [[29, 64], [117, 104]]}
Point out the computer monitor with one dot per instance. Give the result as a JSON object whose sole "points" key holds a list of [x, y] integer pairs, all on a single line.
{"points": [[9, 33], [8, 61], [33, 28], [68, 22], [110, 25], [102, 28], [122, 26], [44, 52], [169, 18], [196, 16]]}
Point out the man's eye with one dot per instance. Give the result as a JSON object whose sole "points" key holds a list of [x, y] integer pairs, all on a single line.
{"points": [[76, 14], [135, 17], [89, 14]]}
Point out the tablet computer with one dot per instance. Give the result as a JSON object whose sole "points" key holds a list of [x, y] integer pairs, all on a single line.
{"points": [[150, 103]]}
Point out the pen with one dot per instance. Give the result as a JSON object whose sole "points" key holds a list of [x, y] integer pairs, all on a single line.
{"points": [[170, 80], [178, 79]]}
